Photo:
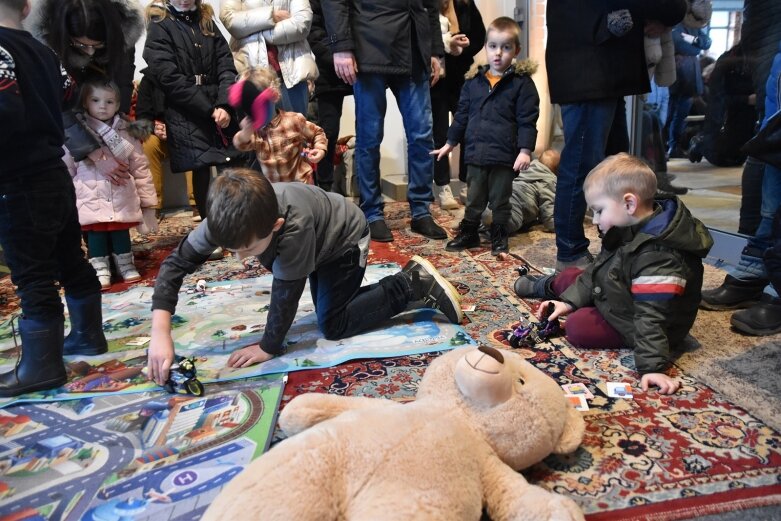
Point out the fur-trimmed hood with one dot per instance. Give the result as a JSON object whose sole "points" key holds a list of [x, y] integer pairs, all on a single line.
{"points": [[131, 12], [526, 66]]}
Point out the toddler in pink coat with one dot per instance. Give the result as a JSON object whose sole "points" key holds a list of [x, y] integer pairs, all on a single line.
{"points": [[110, 204]]}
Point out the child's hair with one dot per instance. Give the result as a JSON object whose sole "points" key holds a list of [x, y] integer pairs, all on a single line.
{"points": [[95, 19], [242, 207], [157, 12], [98, 82], [620, 174], [16, 6], [262, 78], [505, 23], [551, 158]]}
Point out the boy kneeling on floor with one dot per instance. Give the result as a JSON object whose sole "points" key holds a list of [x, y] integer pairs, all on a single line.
{"points": [[297, 231], [644, 287]]}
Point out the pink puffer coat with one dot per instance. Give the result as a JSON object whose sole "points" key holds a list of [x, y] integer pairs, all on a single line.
{"points": [[100, 201]]}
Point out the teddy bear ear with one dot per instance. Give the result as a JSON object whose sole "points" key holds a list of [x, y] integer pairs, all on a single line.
{"points": [[572, 435]]}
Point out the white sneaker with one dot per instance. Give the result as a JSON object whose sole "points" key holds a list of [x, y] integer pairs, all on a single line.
{"points": [[124, 264], [445, 197], [462, 194], [103, 270]]}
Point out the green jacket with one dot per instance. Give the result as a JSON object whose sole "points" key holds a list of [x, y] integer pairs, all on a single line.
{"points": [[646, 281], [532, 198]]}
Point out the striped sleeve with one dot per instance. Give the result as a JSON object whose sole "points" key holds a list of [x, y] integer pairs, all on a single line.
{"points": [[8, 83], [657, 287], [11, 105]]}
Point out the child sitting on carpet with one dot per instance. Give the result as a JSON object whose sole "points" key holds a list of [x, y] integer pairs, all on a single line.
{"points": [[643, 289], [286, 143], [297, 231]]}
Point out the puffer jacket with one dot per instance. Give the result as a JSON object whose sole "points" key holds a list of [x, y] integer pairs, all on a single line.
{"points": [[499, 121], [100, 201], [647, 282], [251, 26], [532, 197], [194, 72], [380, 33]]}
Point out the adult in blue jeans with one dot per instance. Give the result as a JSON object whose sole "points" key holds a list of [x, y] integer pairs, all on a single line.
{"points": [[745, 284], [379, 44], [609, 37]]}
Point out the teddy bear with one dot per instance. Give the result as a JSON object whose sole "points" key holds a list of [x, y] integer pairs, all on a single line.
{"points": [[481, 415]]}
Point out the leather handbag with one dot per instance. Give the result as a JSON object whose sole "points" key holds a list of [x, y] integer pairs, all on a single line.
{"points": [[766, 145]]}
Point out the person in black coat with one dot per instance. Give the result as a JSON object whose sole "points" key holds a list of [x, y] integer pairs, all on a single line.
{"points": [[189, 60], [330, 92]]}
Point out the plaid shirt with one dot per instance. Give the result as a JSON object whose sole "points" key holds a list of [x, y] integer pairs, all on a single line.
{"points": [[279, 146]]}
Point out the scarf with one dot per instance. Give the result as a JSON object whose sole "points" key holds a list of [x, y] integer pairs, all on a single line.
{"points": [[120, 147]]}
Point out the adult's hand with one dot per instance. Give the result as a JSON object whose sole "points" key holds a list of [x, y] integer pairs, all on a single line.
{"points": [[221, 117], [116, 171], [346, 67], [279, 15], [436, 70]]}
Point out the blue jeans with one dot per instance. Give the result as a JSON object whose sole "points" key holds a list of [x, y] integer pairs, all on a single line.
{"points": [[41, 240], [679, 109], [344, 308], [414, 103], [296, 98], [587, 126]]}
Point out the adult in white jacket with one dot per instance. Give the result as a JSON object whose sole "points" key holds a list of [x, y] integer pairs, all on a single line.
{"points": [[272, 33]]}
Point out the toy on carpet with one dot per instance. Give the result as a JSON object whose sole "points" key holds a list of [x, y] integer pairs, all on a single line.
{"points": [[481, 415], [528, 334], [183, 377]]}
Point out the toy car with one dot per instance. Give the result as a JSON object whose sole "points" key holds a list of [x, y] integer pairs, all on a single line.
{"points": [[531, 333], [182, 377]]}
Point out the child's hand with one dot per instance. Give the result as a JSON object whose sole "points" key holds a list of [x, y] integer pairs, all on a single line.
{"points": [[148, 223], [160, 130], [442, 152], [221, 117], [560, 309], [247, 356], [314, 155], [523, 160], [160, 356], [665, 384]]}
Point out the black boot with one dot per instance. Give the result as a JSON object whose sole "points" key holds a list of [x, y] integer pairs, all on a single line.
{"points": [[663, 184], [760, 319], [432, 289], [499, 237], [40, 364], [467, 237], [86, 335], [733, 294]]}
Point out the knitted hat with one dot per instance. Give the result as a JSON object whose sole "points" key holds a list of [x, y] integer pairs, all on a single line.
{"points": [[259, 106], [699, 14]]}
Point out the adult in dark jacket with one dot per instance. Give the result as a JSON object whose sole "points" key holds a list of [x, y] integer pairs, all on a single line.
{"points": [[191, 63], [330, 92], [445, 92], [389, 43], [731, 115], [594, 58]]}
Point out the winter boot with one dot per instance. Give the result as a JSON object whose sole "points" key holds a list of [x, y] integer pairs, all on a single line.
{"points": [[529, 286], [499, 238], [467, 237], [444, 196], [103, 270], [125, 267], [760, 319], [40, 365], [86, 335], [431, 288], [733, 294]]}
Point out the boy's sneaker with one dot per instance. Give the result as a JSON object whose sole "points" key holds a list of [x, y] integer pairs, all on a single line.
{"points": [[445, 197], [534, 286], [430, 287]]}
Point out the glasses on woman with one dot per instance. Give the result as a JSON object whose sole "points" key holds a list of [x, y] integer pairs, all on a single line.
{"points": [[83, 47]]}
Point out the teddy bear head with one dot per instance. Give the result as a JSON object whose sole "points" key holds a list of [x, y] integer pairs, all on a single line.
{"points": [[520, 411]]}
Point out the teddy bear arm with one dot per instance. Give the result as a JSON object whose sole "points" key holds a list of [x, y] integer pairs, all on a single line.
{"points": [[310, 409], [573, 432], [509, 497]]}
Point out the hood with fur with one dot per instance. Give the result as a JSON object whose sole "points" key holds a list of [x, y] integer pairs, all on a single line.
{"points": [[526, 66], [131, 13]]}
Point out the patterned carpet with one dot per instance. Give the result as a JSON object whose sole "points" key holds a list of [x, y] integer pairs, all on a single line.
{"points": [[701, 451]]}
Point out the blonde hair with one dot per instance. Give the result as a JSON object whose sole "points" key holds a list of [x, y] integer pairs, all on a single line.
{"points": [[262, 78], [621, 174], [157, 12], [551, 158]]}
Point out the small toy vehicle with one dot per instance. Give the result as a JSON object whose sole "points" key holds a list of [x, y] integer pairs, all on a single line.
{"points": [[531, 333], [182, 377]]}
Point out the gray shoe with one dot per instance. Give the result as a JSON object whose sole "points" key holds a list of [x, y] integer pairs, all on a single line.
{"points": [[430, 287], [581, 263], [534, 286]]}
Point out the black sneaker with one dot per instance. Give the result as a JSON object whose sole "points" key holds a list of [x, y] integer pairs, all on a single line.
{"points": [[380, 232], [430, 287]]}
